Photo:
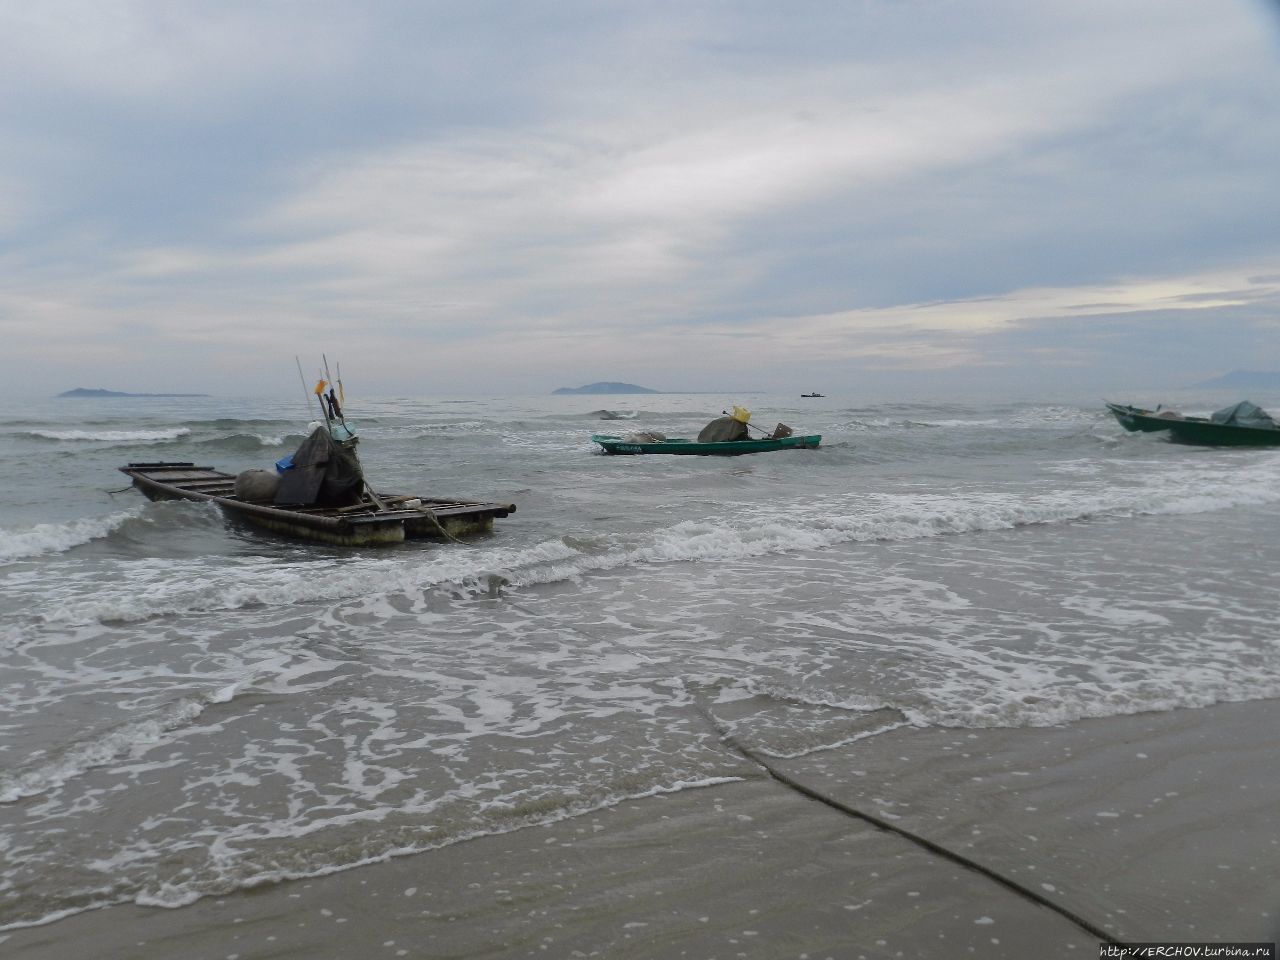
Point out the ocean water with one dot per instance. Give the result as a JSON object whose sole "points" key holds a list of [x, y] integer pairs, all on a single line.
{"points": [[188, 708]]}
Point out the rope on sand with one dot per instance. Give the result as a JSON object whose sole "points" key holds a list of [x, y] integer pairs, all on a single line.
{"points": [[932, 846]]}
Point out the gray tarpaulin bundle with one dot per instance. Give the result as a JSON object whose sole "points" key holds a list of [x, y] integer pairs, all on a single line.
{"points": [[324, 472], [1244, 414], [723, 429]]}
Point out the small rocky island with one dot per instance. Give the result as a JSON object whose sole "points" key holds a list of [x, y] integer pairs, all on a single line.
{"points": [[604, 387], [86, 392]]}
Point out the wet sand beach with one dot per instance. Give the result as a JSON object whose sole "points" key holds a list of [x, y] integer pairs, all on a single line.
{"points": [[1153, 827]]}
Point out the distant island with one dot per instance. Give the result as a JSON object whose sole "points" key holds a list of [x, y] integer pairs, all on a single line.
{"points": [[605, 387], [85, 392], [1242, 380]]}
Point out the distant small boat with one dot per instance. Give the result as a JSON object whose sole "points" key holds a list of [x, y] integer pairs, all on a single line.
{"points": [[721, 448], [389, 519], [810, 395], [1240, 425]]}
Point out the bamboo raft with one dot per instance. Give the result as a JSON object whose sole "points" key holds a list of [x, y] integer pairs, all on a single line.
{"points": [[376, 519]]}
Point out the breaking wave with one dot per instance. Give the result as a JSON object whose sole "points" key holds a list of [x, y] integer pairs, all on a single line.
{"points": [[113, 436], [129, 739], [46, 538]]}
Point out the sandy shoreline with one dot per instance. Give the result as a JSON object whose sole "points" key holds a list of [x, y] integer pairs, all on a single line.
{"points": [[1154, 827]]}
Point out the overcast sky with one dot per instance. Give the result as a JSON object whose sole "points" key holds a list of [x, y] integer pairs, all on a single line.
{"points": [[507, 197]]}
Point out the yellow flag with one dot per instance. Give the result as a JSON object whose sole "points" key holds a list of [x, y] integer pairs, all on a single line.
{"points": [[320, 387]]}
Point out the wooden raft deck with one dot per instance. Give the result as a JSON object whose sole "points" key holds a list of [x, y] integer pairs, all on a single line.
{"points": [[360, 524]]}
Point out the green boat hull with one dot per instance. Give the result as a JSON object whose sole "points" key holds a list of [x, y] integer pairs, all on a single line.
{"points": [[727, 448], [1205, 433]]}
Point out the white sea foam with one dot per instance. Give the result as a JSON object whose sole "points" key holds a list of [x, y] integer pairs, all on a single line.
{"points": [[1034, 418], [228, 855], [158, 588], [461, 428], [281, 672], [128, 739], [812, 525], [173, 588], [114, 436]]}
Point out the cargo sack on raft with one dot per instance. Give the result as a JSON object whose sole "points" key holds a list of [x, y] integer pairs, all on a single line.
{"points": [[257, 486], [325, 473], [723, 429]]}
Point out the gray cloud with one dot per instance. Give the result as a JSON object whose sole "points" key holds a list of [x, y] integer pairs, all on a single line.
{"points": [[574, 187]]}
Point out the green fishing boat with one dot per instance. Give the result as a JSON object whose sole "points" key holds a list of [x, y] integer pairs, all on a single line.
{"points": [[725, 436], [1242, 424], [722, 448]]}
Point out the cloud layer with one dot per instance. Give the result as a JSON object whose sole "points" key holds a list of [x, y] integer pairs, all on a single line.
{"points": [[509, 197]]}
